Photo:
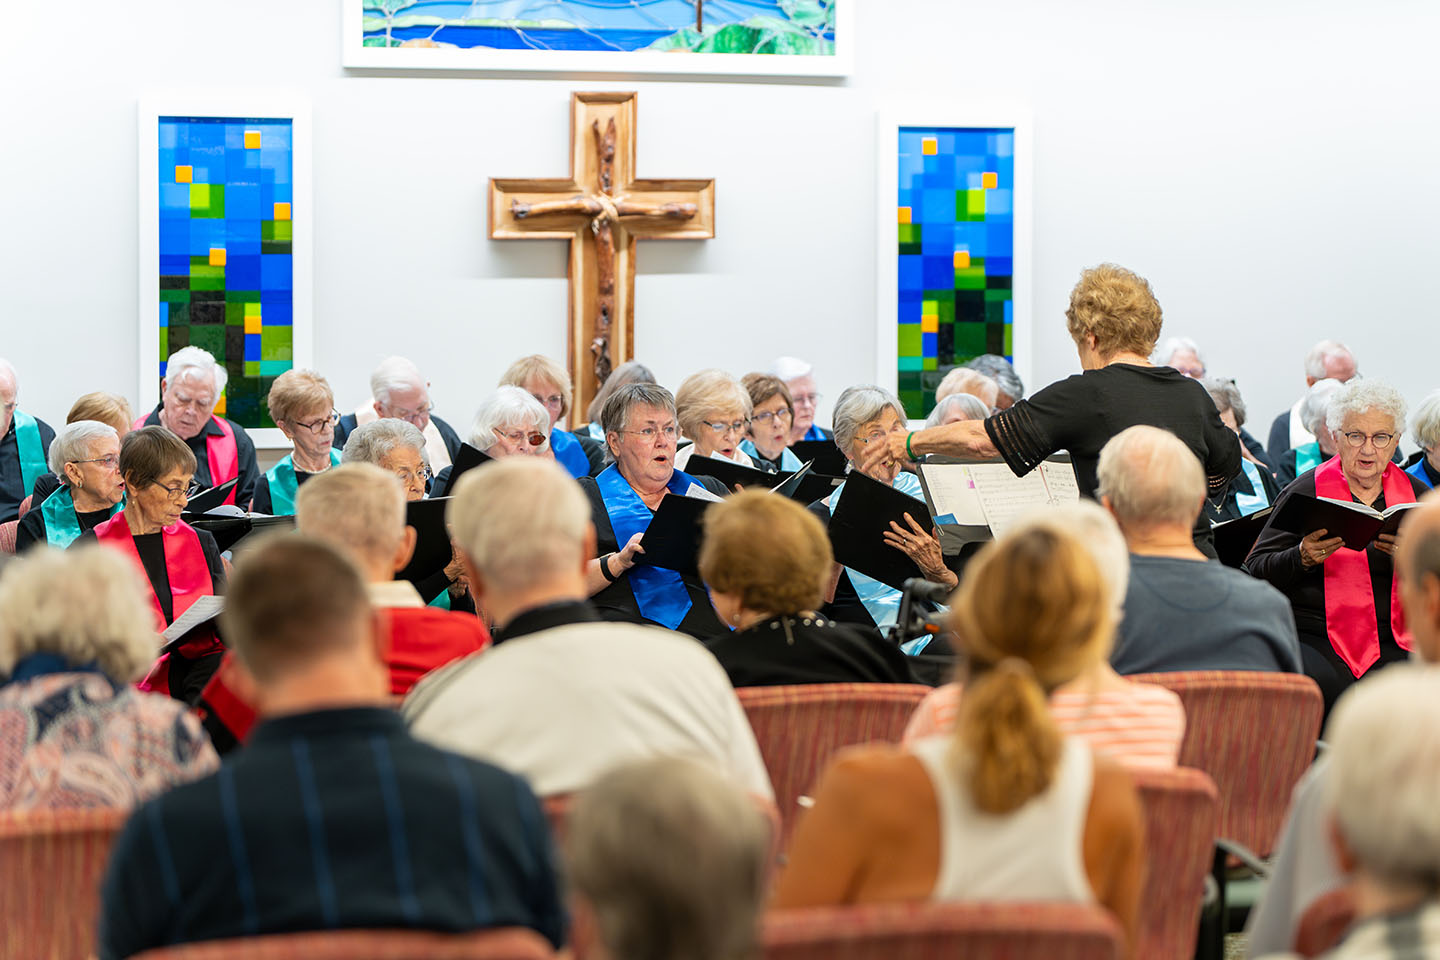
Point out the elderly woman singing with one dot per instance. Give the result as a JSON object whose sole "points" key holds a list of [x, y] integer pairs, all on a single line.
{"points": [[85, 455]]}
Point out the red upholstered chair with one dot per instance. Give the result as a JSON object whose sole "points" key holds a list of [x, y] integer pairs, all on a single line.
{"points": [[8, 531], [51, 865], [1181, 808], [1325, 921], [508, 943], [799, 728], [931, 931], [25, 506]]}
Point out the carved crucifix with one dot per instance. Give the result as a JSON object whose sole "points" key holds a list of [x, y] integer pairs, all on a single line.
{"points": [[602, 209]]}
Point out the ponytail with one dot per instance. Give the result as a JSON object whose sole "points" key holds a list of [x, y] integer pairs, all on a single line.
{"points": [[1010, 742]]}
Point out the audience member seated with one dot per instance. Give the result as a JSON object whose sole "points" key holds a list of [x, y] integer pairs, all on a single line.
{"points": [[957, 407], [1007, 808], [666, 861], [864, 418], [640, 429], [1182, 611], [108, 408], [563, 696], [398, 391], [1305, 866], [180, 564], [549, 384], [799, 378], [194, 384], [332, 817], [509, 423], [1345, 602], [1321, 446], [24, 446], [713, 411], [303, 407], [74, 636], [767, 442], [1139, 725], [767, 562], [1002, 371], [86, 457], [972, 382], [631, 371], [1425, 465], [1327, 360]]}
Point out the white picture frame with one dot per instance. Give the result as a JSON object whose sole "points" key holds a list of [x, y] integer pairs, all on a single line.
{"points": [[889, 123], [247, 106], [474, 60]]}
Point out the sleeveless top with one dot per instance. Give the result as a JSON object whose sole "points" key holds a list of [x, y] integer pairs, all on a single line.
{"points": [[1033, 853]]}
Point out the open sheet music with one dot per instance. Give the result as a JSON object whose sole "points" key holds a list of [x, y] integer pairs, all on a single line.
{"points": [[989, 495], [203, 609]]}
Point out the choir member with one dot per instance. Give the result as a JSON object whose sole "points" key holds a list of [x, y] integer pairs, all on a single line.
{"points": [[24, 446], [1321, 445], [771, 413], [1327, 360], [972, 382], [957, 407], [547, 382], [631, 371], [399, 392], [303, 407], [85, 455], [1425, 465], [108, 408], [223, 451], [713, 410], [1345, 601], [799, 377], [1181, 354], [1253, 488], [509, 423], [1002, 371]]}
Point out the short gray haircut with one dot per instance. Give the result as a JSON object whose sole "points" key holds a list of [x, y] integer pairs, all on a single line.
{"points": [[506, 409], [615, 415], [1151, 478], [1166, 351], [520, 520], [76, 441], [356, 507], [1385, 773], [1226, 397], [1002, 371], [1096, 530], [859, 405], [193, 361], [371, 442], [672, 858], [1315, 404], [969, 406], [85, 605], [1360, 396], [394, 373], [1425, 428], [968, 380], [1321, 352]]}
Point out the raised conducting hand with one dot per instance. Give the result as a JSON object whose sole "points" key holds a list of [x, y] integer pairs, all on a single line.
{"points": [[1315, 549], [922, 547], [876, 457]]}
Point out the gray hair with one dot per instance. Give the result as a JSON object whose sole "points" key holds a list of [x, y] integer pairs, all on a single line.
{"points": [[969, 406], [615, 415], [520, 520], [856, 407], [631, 371], [1385, 773], [1002, 371], [1315, 404], [1426, 426], [74, 442], [394, 373], [1151, 478], [791, 368], [968, 380], [356, 507], [1096, 530], [6, 369], [1166, 351], [188, 361], [505, 409], [1226, 397], [371, 442], [1360, 396], [1321, 352]]}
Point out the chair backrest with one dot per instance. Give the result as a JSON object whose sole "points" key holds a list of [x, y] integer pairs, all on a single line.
{"points": [[1323, 924], [930, 931], [1181, 809], [799, 728], [51, 865], [1254, 733], [25, 506], [505, 943], [8, 531]]}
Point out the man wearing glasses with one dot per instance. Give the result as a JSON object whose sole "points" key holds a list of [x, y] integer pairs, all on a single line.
{"points": [[399, 392], [799, 377], [24, 445]]}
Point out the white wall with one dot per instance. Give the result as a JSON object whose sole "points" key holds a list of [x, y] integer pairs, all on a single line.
{"points": [[1270, 166]]}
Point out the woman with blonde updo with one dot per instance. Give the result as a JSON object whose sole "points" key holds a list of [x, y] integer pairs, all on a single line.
{"points": [[1007, 808]]}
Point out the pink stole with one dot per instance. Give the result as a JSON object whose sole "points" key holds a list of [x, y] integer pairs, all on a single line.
{"points": [[1350, 618], [221, 453]]}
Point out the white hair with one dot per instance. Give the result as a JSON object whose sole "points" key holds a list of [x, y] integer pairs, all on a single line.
{"points": [[970, 407], [1385, 772], [1425, 428], [857, 406], [1316, 403], [968, 380], [357, 507], [520, 520], [791, 368], [193, 361], [1151, 478], [8, 370], [394, 373], [1321, 352], [506, 409], [1226, 396], [74, 442], [1166, 351], [372, 442], [1096, 530], [1360, 396]]}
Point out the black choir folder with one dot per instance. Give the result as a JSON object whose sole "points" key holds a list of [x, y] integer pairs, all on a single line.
{"points": [[230, 532], [1302, 515], [1235, 538], [210, 498], [467, 459], [672, 540], [432, 539], [858, 525], [803, 485], [829, 459]]}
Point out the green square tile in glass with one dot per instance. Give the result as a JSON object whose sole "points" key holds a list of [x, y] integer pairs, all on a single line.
{"points": [[910, 340], [275, 344]]}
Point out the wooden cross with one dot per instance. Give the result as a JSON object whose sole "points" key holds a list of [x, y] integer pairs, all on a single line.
{"points": [[602, 210]]}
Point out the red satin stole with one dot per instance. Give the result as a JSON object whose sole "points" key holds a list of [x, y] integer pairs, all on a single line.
{"points": [[1350, 618], [221, 454]]}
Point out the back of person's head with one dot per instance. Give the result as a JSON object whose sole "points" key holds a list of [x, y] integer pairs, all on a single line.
{"points": [[1385, 761], [357, 507], [84, 605], [1032, 613], [1149, 478], [1117, 307], [520, 521], [667, 859], [768, 551], [292, 602]]}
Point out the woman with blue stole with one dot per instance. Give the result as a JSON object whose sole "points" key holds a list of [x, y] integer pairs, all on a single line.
{"points": [[767, 442], [85, 455], [547, 382], [1425, 465], [303, 407], [640, 428]]}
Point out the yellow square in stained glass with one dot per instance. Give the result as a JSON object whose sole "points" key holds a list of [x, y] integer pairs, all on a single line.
{"points": [[929, 146], [929, 324], [252, 309], [252, 324], [220, 407], [989, 181], [904, 215], [185, 174], [962, 259], [252, 139], [217, 256], [282, 211]]}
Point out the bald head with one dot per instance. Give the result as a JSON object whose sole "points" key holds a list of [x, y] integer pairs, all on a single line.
{"points": [[359, 508], [1149, 478], [1417, 559]]}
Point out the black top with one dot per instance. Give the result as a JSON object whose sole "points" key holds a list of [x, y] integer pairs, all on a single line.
{"points": [[798, 649], [45, 484], [12, 482], [547, 617], [347, 424], [1081, 413], [617, 601], [1430, 471], [1257, 450], [329, 820], [262, 502], [594, 452], [32, 528], [244, 448], [1279, 440], [151, 548], [1229, 508]]}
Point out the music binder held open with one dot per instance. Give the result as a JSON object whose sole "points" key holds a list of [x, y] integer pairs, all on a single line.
{"points": [[981, 499]]}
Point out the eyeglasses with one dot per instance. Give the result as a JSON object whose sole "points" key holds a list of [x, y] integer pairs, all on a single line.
{"points": [[554, 400], [735, 426], [1357, 439], [768, 416], [419, 476], [318, 426], [109, 463], [180, 494], [520, 436], [650, 433], [806, 398]]}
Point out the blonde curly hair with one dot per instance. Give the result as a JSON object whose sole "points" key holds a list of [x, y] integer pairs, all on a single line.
{"points": [[1118, 308]]}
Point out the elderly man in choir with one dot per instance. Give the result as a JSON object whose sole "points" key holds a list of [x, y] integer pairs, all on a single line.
{"points": [[24, 446], [641, 430], [303, 407], [1327, 360], [223, 450], [562, 697], [972, 382], [1425, 465], [1002, 371], [1253, 488], [957, 407], [799, 377], [548, 383], [85, 455], [713, 410], [1345, 601], [1312, 453], [509, 423], [399, 392]]}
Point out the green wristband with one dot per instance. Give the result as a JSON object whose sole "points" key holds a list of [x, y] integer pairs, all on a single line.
{"points": [[908, 452]]}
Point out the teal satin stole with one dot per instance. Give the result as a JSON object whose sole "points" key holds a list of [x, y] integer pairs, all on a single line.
{"points": [[62, 525], [283, 484], [31, 449]]}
